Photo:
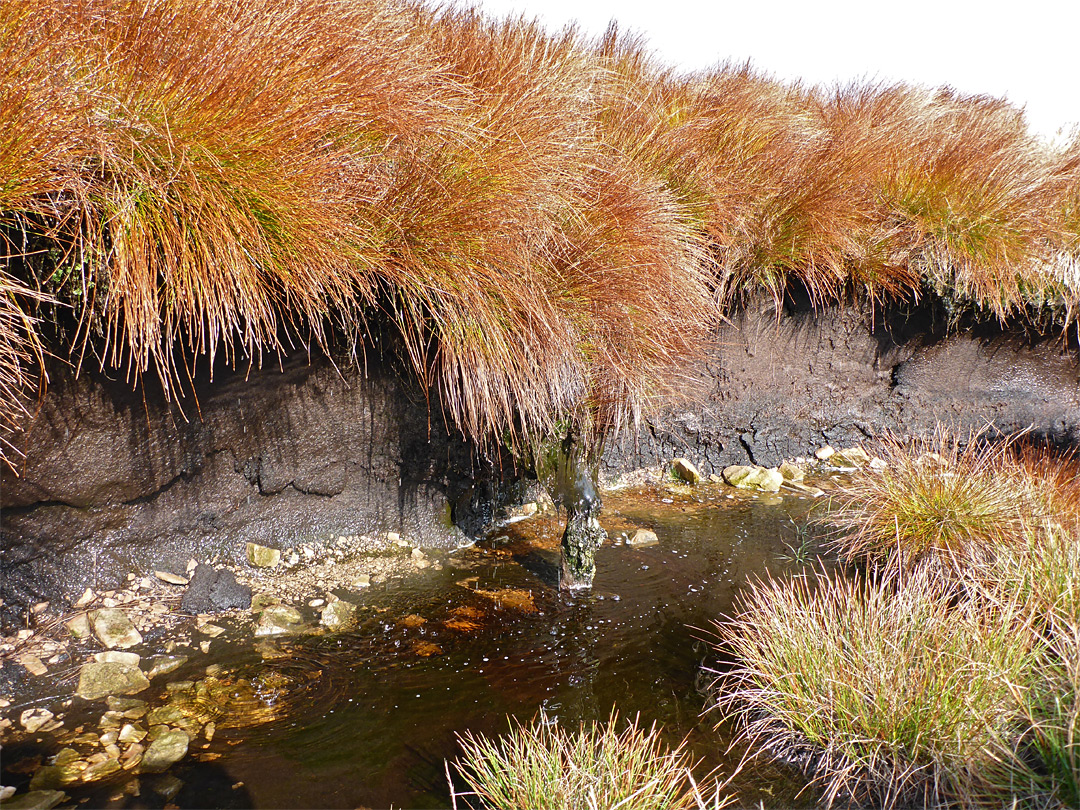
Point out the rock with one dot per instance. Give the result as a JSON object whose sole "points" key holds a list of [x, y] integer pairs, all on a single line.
{"points": [[33, 664], [686, 471], [170, 747], [171, 578], [212, 630], [167, 787], [643, 538], [792, 472], [362, 581], [418, 554], [205, 647], [79, 626], [878, 464], [116, 657], [6, 792], [393, 537], [716, 479], [113, 628], [277, 619], [33, 719], [87, 597], [98, 679], [100, 770], [747, 476], [824, 453], [339, 615], [806, 489], [262, 556], [131, 733], [852, 457], [36, 800], [211, 590]]}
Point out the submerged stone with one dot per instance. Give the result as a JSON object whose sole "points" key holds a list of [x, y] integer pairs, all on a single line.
{"points": [[277, 619], [36, 800], [98, 679], [643, 538], [339, 615], [169, 747]]}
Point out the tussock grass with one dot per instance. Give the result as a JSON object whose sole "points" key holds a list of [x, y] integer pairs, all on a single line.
{"points": [[596, 767], [889, 692], [553, 225]]}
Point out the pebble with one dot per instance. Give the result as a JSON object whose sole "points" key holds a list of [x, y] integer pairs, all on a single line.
{"points": [[34, 719], [316, 603], [171, 578], [33, 664]]}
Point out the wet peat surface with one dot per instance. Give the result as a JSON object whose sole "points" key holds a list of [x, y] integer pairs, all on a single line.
{"points": [[368, 718]]}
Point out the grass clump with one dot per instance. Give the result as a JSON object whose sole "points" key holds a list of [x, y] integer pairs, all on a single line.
{"points": [[944, 674], [889, 693], [597, 767]]}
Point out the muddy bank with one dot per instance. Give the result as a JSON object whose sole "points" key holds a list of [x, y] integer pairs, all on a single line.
{"points": [[843, 375], [114, 482], [117, 480]]}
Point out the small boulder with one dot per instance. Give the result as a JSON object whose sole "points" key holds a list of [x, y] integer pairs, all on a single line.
{"points": [[114, 629], [262, 556], [167, 748], [685, 470], [339, 615], [748, 476], [211, 590], [852, 457], [792, 472], [99, 679], [277, 619], [643, 538]]}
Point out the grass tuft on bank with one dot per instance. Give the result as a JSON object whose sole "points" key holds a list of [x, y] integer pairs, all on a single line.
{"points": [[552, 225], [941, 668], [598, 767]]}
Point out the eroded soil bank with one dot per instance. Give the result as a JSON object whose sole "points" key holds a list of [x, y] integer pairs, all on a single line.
{"points": [[117, 480]]}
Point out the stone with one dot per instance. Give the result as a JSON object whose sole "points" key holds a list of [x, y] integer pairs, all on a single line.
{"points": [[393, 537], [167, 787], [114, 629], [131, 733], [792, 472], [878, 464], [170, 747], [117, 657], [277, 619], [581, 538], [748, 476], [34, 719], [212, 630], [824, 453], [79, 626], [211, 590], [339, 615], [6, 792], [98, 679], [686, 471], [852, 457], [171, 578], [643, 538], [262, 556], [806, 489], [87, 597], [33, 664], [101, 770], [362, 581], [36, 800], [126, 705], [316, 603]]}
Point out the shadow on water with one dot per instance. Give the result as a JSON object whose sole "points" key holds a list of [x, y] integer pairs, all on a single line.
{"points": [[367, 718]]}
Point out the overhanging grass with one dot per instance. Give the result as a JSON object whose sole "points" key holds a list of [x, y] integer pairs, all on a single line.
{"points": [[553, 225]]}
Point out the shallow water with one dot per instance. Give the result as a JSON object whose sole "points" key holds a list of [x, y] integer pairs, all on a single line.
{"points": [[367, 718]]}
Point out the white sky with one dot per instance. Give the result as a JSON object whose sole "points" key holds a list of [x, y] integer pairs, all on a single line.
{"points": [[1026, 50]]}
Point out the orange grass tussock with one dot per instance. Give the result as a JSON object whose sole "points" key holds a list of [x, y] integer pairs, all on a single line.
{"points": [[552, 224]]}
